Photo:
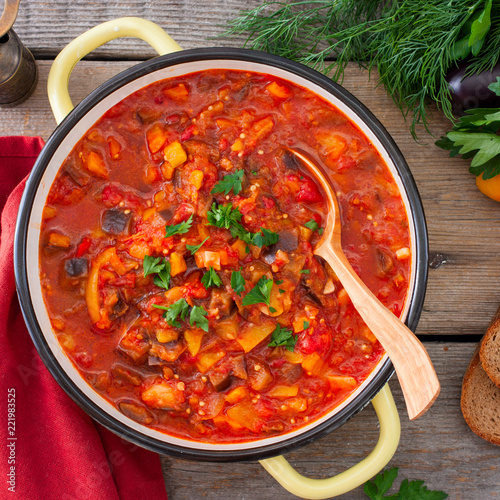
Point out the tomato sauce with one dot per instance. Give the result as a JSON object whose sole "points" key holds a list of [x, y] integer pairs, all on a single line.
{"points": [[177, 260]]}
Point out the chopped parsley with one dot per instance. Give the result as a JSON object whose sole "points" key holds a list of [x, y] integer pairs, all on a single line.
{"points": [[160, 267], [265, 238], [180, 228], [194, 248], [284, 337], [237, 282], [260, 293], [224, 216], [377, 488], [173, 311], [227, 217], [211, 278], [162, 279], [180, 309], [152, 264], [231, 181], [305, 325], [304, 271], [314, 226], [198, 318]]}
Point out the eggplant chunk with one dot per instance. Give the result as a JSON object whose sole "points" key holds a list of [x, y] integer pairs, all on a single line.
{"points": [[76, 267], [220, 380], [136, 412], [222, 301], [259, 374], [115, 221], [289, 240]]}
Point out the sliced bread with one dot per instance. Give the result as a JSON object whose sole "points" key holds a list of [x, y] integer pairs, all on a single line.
{"points": [[490, 350], [481, 402]]}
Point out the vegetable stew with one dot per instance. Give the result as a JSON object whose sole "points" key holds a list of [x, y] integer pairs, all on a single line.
{"points": [[176, 256]]}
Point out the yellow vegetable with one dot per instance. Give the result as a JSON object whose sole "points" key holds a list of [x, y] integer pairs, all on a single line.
{"points": [[236, 394], [341, 382], [96, 165], [283, 391], [156, 137], [193, 339], [251, 335], [196, 179], [489, 187], [59, 240], [177, 264], [175, 154], [208, 359], [165, 335]]}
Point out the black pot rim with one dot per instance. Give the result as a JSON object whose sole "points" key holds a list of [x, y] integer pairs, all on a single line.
{"points": [[20, 249]]}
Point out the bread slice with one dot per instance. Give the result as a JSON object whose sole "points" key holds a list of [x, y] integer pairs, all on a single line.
{"points": [[490, 350], [481, 402]]}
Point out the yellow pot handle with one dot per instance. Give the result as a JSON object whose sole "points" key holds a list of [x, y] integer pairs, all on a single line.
{"points": [[304, 487], [57, 85]]}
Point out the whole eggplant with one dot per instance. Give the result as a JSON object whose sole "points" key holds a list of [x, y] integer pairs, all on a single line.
{"points": [[469, 92]]}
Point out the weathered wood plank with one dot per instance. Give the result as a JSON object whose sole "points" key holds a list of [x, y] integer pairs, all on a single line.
{"points": [[45, 27], [438, 448], [464, 226]]}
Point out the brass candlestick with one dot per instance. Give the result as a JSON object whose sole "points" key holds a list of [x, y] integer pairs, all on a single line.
{"points": [[18, 72]]}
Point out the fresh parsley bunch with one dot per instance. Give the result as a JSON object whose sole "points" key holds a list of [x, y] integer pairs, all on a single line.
{"points": [[476, 136], [377, 488]]}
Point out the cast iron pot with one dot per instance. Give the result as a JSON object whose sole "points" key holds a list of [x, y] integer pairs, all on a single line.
{"points": [[73, 123]]}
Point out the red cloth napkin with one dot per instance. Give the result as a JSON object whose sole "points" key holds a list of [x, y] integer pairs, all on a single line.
{"points": [[58, 452]]}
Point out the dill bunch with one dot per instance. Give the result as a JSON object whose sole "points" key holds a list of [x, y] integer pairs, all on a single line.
{"points": [[412, 43]]}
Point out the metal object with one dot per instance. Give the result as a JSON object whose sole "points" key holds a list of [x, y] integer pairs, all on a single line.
{"points": [[18, 72]]}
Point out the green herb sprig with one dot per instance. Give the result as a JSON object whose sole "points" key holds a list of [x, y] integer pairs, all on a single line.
{"points": [[210, 279], [180, 309], [237, 282], [231, 181], [227, 217], [260, 293], [284, 337], [377, 488], [476, 136], [194, 248], [160, 267], [180, 228]]}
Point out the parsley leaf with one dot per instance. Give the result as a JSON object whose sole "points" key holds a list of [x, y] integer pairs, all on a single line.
{"points": [[409, 490], [314, 226], [227, 217], [231, 181], [260, 293], [237, 282], [173, 311], [304, 271], [181, 228], [194, 248], [198, 318], [162, 279], [479, 29], [211, 278], [238, 231], [475, 136], [160, 267], [284, 337], [305, 325], [152, 264], [264, 237], [224, 216]]}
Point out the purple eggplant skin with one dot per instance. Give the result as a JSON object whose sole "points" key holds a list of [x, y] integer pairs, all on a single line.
{"points": [[469, 92]]}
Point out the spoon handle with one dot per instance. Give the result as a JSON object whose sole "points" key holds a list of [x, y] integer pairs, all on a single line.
{"points": [[411, 361]]}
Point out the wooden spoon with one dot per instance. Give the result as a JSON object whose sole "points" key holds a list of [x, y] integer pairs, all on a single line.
{"points": [[413, 366]]}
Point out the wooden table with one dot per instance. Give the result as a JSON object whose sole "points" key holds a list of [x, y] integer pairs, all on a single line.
{"points": [[464, 275]]}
